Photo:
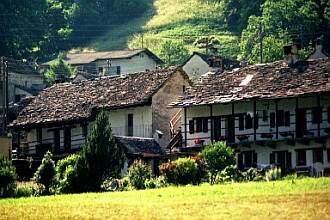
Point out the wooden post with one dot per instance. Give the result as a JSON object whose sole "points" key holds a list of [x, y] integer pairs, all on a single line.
{"points": [[297, 106], [212, 129], [185, 126], [254, 120], [320, 116], [276, 119]]}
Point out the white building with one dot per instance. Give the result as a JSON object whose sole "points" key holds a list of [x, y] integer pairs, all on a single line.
{"points": [[270, 113], [59, 118], [112, 62]]}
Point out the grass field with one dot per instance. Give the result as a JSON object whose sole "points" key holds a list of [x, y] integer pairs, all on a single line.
{"points": [[175, 20], [304, 199]]}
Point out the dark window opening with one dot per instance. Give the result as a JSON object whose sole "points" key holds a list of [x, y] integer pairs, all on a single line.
{"points": [[199, 125], [39, 135], [67, 139], [130, 125], [316, 115], [118, 70], [249, 159], [287, 118], [280, 118], [57, 140], [248, 121], [191, 126], [272, 120], [241, 122], [301, 157], [100, 70], [17, 98], [205, 125], [256, 121], [318, 155], [183, 89], [264, 115]]}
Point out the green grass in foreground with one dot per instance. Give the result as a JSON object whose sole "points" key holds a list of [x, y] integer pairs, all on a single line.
{"points": [[304, 199]]}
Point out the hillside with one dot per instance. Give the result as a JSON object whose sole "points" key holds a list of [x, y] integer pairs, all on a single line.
{"points": [[178, 21]]}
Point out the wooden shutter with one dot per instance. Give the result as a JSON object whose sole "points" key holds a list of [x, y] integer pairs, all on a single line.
{"points": [[191, 126], [205, 125]]}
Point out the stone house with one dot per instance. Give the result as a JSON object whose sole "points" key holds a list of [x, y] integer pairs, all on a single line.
{"points": [[271, 113], [59, 118], [112, 62]]}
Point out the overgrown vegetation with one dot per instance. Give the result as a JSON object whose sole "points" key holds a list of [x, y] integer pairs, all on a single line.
{"points": [[7, 177], [138, 173]]}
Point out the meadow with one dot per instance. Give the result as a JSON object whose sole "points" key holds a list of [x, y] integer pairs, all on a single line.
{"points": [[307, 198]]}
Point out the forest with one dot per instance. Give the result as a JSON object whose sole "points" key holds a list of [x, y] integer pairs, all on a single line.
{"points": [[41, 29]]}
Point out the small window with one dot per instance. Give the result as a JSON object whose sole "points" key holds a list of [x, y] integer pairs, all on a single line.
{"points": [[256, 121], [199, 125], [329, 114], [118, 70], [280, 118], [264, 115], [316, 115], [191, 126], [241, 122], [301, 157], [272, 120], [205, 125], [39, 135], [318, 155], [287, 118], [248, 121]]}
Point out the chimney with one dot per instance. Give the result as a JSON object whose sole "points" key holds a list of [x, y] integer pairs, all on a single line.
{"points": [[319, 44], [290, 54], [213, 51]]}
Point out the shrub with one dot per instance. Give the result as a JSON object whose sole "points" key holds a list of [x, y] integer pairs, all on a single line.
{"points": [[27, 189], [253, 174], [230, 173], [161, 182], [101, 158], [138, 173], [217, 157], [150, 183], [168, 170], [63, 164], [7, 177], [273, 174], [46, 172]]}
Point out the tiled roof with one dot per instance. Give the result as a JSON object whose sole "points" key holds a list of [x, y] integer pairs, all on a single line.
{"points": [[20, 66], [139, 146], [263, 81], [76, 101], [85, 58]]}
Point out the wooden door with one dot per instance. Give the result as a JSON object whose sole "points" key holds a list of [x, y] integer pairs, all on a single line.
{"points": [[217, 128], [301, 123], [230, 135]]}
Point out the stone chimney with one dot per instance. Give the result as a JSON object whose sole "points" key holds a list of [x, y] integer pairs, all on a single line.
{"points": [[290, 54]]}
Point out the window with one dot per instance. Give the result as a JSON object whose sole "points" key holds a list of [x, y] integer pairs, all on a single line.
{"points": [[57, 140], [272, 120], [287, 118], [264, 115], [318, 155], [316, 115], [118, 70], [183, 89], [248, 121], [241, 122], [39, 135], [329, 114], [256, 121], [301, 157], [100, 70], [247, 159], [191, 126], [280, 118], [205, 125], [67, 139], [130, 125], [199, 125]]}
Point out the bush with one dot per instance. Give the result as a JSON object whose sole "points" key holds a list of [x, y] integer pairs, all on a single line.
{"points": [[273, 174], [138, 173], [253, 174], [27, 189], [229, 174], [150, 183], [7, 177], [161, 182], [182, 171], [46, 172], [217, 157]]}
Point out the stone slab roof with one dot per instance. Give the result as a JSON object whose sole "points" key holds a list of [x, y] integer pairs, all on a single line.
{"points": [[140, 146], [88, 57], [263, 81], [76, 101]]}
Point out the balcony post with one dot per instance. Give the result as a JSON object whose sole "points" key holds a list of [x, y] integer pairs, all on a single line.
{"points": [[185, 126], [255, 120], [211, 116], [319, 121], [276, 117]]}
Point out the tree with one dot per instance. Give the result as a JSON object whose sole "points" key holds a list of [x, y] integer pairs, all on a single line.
{"points": [[174, 53], [217, 157], [46, 172], [101, 156], [59, 69], [138, 173], [7, 177]]}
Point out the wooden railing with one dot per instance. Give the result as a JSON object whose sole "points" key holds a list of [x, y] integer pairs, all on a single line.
{"points": [[176, 141], [175, 123]]}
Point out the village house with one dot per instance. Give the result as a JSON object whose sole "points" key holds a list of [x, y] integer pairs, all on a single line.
{"points": [[274, 113], [60, 117], [109, 63], [198, 64]]}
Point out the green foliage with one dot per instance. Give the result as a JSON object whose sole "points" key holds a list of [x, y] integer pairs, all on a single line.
{"points": [[7, 177], [253, 174], [274, 174], [229, 174], [46, 172], [138, 173], [173, 53], [217, 157], [59, 69], [101, 157], [28, 189]]}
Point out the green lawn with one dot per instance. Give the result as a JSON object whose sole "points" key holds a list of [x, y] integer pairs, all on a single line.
{"points": [[302, 199]]}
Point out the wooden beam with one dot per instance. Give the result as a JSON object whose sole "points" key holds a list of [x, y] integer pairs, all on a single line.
{"points": [[185, 125], [319, 121], [212, 129], [254, 120], [276, 119]]}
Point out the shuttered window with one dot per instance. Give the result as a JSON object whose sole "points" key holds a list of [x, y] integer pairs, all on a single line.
{"points": [[272, 120], [205, 125], [316, 115], [241, 122], [287, 118], [191, 126], [248, 121]]}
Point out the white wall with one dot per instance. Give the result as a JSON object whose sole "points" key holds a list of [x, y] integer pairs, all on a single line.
{"points": [[138, 63], [197, 66]]}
